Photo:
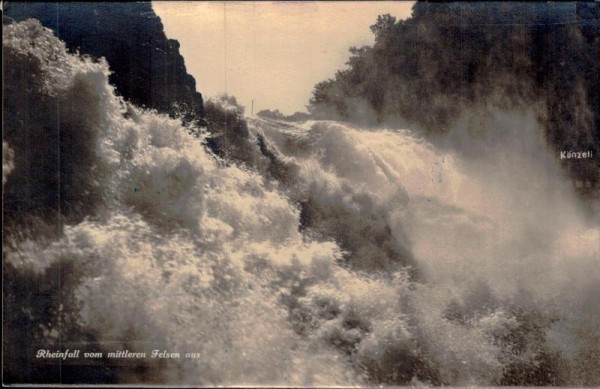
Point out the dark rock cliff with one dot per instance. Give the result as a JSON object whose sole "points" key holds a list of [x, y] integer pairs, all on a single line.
{"points": [[148, 69], [450, 57]]}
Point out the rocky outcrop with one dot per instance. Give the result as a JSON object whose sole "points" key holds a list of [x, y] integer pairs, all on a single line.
{"points": [[452, 58], [148, 69]]}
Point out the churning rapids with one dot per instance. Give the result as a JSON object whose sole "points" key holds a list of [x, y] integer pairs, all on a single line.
{"points": [[339, 256]]}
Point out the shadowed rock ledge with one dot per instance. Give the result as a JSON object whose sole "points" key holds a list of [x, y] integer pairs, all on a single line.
{"points": [[148, 69]]}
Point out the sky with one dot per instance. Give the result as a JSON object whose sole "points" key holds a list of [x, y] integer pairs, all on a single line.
{"points": [[270, 52]]}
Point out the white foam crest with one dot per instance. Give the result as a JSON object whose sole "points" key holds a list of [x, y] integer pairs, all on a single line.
{"points": [[171, 290], [195, 256], [499, 215]]}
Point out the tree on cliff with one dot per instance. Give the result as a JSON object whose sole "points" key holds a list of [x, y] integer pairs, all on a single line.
{"points": [[447, 57]]}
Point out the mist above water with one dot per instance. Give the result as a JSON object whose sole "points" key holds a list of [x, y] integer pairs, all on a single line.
{"points": [[332, 255]]}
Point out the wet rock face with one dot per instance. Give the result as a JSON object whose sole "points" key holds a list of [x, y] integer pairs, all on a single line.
{"points": [[148, 69]]}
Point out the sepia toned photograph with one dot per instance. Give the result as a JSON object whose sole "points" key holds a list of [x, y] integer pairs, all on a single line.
{"points": [[301, 194]]}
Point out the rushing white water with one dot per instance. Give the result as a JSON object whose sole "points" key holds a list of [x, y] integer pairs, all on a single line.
{"points": [[491, 222], [383, 259]]}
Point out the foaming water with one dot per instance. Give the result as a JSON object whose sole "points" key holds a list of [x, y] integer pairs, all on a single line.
{"points": [[506, 256], [383, 259]]}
